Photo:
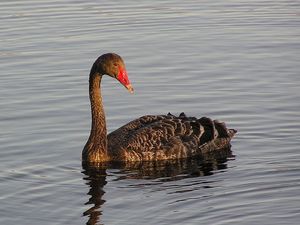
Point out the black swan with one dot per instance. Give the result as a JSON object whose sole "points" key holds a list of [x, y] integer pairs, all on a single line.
{"points": [[150, 137]]}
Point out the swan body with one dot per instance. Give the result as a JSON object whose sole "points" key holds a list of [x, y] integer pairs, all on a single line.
{"points": [[150, 137]]}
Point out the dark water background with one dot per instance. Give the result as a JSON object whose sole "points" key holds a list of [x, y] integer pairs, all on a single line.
{"points": [[233, 60]]}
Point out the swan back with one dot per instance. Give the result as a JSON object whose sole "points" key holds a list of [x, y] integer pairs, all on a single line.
{"points": [[161, 137]]}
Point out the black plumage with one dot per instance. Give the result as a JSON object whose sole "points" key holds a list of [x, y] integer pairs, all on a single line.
{"points": [[148, 138], [168, 137]]}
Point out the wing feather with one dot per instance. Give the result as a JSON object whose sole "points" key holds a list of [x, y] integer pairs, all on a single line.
{"points": [[153, 137]]}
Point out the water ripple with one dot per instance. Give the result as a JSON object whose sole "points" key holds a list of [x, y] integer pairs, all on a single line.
{"points": [[231, 60]]}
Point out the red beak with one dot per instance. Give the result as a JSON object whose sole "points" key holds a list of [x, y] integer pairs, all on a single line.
{"points": [[123, 78]]}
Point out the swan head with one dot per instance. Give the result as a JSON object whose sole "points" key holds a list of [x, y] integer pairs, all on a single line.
{"points": [[113, 65]]}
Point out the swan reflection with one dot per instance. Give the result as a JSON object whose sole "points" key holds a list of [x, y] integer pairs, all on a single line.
{"points": [[165, 171]]}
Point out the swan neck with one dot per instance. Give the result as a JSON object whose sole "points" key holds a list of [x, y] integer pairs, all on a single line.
{"points": [[98, 114], [95, 149]]}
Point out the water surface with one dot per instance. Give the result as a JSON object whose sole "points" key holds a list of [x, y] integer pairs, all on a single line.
{"points": [[236, 61]]}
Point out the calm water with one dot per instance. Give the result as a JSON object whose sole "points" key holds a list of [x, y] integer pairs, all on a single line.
{"points": [[233, 60]]}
